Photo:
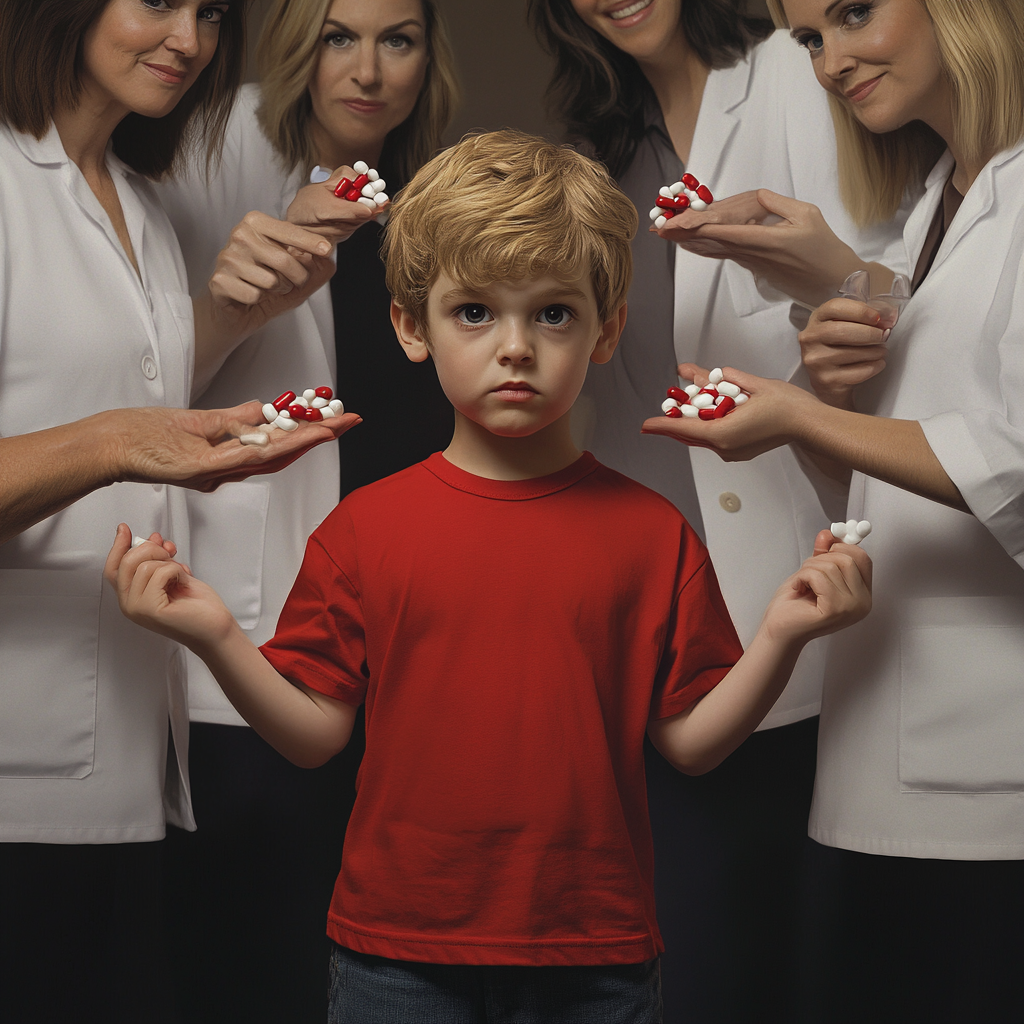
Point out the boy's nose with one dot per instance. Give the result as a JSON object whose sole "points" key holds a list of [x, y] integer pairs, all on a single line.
{"points": [[514, 347]]}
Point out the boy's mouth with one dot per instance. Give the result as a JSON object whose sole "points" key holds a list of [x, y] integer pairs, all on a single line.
{"points": [[515, 391]]}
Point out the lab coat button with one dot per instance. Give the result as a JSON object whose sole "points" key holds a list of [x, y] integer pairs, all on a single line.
{"points": [[729, 501], [149, 367]]}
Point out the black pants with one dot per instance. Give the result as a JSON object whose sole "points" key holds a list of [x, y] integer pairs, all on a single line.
{"points": [[729, 860], [247, 894]]}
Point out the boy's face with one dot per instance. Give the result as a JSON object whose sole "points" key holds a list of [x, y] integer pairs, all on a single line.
{"points": [[511, 356]]}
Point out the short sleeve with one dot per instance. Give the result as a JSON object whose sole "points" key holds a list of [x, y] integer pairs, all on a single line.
{"points": [[701, 644], [320, 639]]}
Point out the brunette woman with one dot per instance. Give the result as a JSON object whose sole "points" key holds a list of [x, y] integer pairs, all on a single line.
{"points": [[655, 88]]}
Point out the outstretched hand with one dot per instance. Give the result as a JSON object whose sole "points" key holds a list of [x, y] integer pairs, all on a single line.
{"points": [[199, 448], [162, 595], [784, 242], [762, 423], [317, 207], [830, 591]]}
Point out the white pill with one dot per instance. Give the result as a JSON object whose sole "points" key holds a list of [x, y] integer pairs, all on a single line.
{"points": [[704, 401], [666, 192], [318, 174], [676, 188], [360, 167], [136, 541], [698, 205], [661, 222], [381, 198], [257, 437], [283, 414], [379, 185], [690, 411], [309, 394], [303, 401], [286, 424], [655, 212], [690, 194], [692, 389], [719, 400], [320, 403], [367, 202], [741, 398], [269, 413], [863, 528], [368, 190], [729, 389], [716, 376], [669, 403], [337, 407], [371, 173]]}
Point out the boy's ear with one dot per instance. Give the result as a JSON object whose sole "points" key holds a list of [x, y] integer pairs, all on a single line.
{"points": [[611, 330], [410, 336]]}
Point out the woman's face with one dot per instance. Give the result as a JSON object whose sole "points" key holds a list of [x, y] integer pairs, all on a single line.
{"points": [[373, 60], [142, 56], [642, 28], [880, 58]]}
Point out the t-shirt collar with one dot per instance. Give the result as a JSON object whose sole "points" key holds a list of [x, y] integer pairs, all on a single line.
{"points": [[510, 490]]}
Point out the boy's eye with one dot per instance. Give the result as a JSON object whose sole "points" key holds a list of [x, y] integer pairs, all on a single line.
{"points": [[473, 313], [555, 316]]}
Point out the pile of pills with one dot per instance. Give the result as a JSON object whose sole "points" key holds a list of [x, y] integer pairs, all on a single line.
{"points": [[711, 402], [851, 532], [287, 411], [686, 194], [366, 188]]}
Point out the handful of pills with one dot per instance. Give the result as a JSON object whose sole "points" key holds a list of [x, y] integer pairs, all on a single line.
{"points": [[367, 187], [288, 410], [851, 532], [710, 402], [686, 194]]}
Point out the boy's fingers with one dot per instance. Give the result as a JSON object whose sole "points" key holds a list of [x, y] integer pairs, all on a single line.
{"points": [[121, 546]]}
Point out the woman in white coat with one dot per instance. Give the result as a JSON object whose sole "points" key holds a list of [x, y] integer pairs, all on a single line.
{"points": [[919, 761], [96, 342], [340, 81], [654, 89]]}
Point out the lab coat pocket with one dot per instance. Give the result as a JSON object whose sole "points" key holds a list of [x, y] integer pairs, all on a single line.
{"points": [[962, 696], [227, 532], [49, 621]]}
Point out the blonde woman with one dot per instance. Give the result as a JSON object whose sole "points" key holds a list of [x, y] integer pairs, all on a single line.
{"points": [[340, 81], [922, 726]]}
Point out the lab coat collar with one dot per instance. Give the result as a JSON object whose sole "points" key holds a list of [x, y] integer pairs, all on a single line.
{"points": [[724, 96], [49, 151]]}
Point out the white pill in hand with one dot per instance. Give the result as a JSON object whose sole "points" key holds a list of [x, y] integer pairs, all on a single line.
{"points": [[702, 401], [371, 173], [665, 192], [661, 222], [320, 403], [692, 389], [336, 406], [286, 423], [257, 437], [361, 167], [669, 403], [716, 376], [698, 205], [269, 413], [728, 389], [136, 541], [367, 202], [380, 198], [309, 394], [741, 398], [676, 188], [690, 411], [852, 531]]}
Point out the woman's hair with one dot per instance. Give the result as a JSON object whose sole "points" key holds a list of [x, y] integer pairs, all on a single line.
{"points": [[981, 46], [601, 95], [287, 55], [508, 206], [41, 67]]}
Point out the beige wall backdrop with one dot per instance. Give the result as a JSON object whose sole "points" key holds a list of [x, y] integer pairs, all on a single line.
{"points": [[503, 70]]}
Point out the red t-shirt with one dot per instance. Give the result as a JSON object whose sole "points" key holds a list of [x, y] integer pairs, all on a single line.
{"points": [[510, 640]]}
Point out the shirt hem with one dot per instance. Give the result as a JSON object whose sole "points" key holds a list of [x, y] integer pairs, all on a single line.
{"points": [[65, 836], [888, 847], [564, 952]]}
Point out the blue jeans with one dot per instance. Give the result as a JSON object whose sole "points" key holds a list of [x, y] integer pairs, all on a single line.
{"points": [[374, 990]]}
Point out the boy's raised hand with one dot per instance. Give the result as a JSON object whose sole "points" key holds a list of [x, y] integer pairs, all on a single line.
{"points": [[161, 594], [830, 591]]}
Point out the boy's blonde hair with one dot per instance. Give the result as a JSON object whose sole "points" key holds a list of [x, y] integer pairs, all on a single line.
{"points": [[508, 205], [981, 46], [286, 56]]}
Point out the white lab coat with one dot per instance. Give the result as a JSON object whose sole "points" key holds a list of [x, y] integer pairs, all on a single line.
{"points": [[248, 538], [921, 744], [763, 123], [86, 695]]}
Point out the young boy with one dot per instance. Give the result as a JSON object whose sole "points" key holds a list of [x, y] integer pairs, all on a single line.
{"points": [[515, 616]]}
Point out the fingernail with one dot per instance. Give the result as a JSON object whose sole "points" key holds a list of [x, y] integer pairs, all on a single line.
{"points": [[323, 248], [885, 334]]}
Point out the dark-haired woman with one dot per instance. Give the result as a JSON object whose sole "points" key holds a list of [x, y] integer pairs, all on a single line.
{"points": [[97, 358], [656, 87]]}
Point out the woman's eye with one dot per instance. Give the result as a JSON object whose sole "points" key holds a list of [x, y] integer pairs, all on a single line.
{"points": [[811, 43], [857, 14], [473, 313], [555, 316], [338, 39], [398, 42], [213, 15]]}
